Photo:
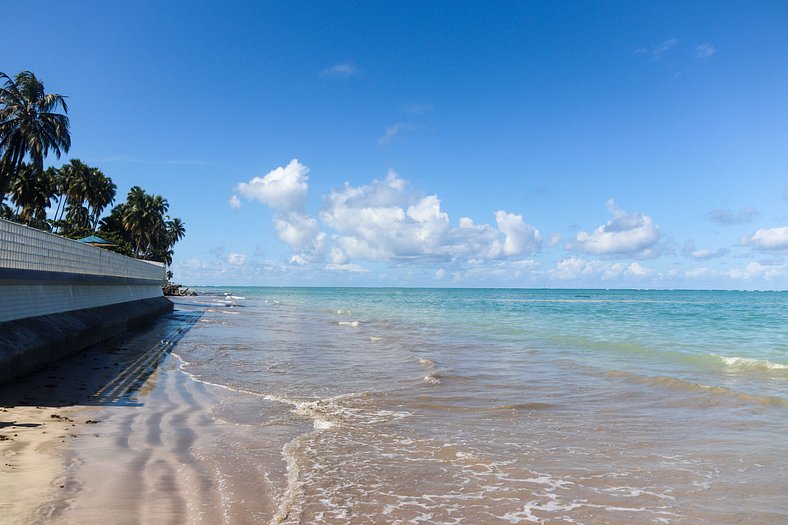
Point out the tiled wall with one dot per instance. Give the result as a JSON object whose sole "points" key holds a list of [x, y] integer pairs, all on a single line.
{"points": [[26, 248], [18, 301], [23, 248]]}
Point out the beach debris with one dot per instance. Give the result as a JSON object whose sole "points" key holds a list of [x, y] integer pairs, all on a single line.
{"points": [[177, 290]]}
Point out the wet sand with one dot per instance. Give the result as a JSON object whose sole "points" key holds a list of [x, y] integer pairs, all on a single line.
{"points": [[119, 435]]}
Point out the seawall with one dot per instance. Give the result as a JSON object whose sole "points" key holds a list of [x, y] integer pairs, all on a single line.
{"points": [[59, 296]]}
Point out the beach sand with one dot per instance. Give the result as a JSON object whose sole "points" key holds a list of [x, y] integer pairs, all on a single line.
{"points": [[117, 434]]}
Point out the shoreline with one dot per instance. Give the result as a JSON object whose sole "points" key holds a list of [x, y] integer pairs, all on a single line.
{"points": [[252, 410], [115, 431]]}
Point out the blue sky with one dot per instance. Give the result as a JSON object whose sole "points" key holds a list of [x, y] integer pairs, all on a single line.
{"points": [[524, 144]]}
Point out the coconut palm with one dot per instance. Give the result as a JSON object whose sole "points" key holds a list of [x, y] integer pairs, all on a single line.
{"points": [[85, 192], [143, 218], [29, 125], [143, 223], [100, 195], [176, 230], [71, 185], [31, 192]]}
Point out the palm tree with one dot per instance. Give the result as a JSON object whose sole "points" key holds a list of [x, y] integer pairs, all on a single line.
{"points": [[143, 223], [176, 230], [84, 193], [31, 192], [70, 183], [143, 218], [101, 193], [29, 125]]}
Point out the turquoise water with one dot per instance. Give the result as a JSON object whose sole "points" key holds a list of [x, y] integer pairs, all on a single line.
{"points": [[509, 406]]}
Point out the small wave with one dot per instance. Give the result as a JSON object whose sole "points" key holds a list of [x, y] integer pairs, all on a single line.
{"points": [[748, 363], [673, 383], [348, 323], [426, 362], [432, 379]]}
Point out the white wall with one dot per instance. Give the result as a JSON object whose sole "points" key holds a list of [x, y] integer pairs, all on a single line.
{"points": [[30, 249], [75, 275], [18, 301]]}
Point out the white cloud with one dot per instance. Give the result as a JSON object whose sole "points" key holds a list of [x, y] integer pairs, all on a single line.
{"points": [[234, 202], [756, 270], [705, 254], [554, 239], [393, 131], [283, 189], [519, 237], [727, 217], [656, 51], [699, 273], [345, 69], [702, 254], [768, 239], [629, 234], [349, 267], [705, 50], [299, 231], [575, 268], [384, 220], [440, 274], [236, 259]]}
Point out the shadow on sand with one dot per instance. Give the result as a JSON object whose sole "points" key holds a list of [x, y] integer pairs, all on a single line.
{"points": [[111, 373]]}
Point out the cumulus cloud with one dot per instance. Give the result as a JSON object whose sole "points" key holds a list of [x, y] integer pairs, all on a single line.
{"points": [[234, 202], [283, 189], [767, 239], [756, 270], [705, 50], [631, 234], [727, 217], [385, 220], [519, 237], [300, 231], [344, 69], [575, 268], [394, 130]]}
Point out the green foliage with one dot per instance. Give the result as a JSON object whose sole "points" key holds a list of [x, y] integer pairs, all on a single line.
{"points": [[84, 192], [30, 190], [143, 223], [29, 125]]}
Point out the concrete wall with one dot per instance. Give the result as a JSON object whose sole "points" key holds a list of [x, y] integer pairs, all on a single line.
{"points": [[42, 274], [24, 248], [58, 296]]}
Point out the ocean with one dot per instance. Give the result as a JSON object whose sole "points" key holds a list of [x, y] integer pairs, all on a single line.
{"points": [[477, 406]]}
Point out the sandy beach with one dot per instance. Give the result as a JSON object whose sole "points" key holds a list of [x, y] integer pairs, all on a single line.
{"points": [[118, 435]]}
